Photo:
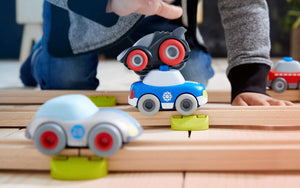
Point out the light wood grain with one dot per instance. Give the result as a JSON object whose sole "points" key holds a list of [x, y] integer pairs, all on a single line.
{"points": [[39, 97], [112, 180], [219, 115], [245, 180], [166, 150]]}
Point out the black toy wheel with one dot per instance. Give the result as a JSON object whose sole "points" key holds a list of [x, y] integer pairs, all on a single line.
{"points": [[149, 104], [186, 104], [279, 85]]}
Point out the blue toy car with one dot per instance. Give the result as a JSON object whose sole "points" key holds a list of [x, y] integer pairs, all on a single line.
{"points": [[74, 121], [155, 49], [166, 89]]}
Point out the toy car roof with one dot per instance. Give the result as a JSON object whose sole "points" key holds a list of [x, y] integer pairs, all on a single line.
{"points": [[68, 107], [288, 66], [160, 77]]}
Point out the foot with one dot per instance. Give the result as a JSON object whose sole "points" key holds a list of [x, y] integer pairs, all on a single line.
{"points": [[26, 74]]}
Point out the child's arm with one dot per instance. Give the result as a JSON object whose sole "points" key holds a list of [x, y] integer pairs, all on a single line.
{"points": [[145, 7], [99, 10], [246, 25]]}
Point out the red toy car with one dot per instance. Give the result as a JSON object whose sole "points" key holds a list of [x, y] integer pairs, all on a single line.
{"points": [[285, 75]]}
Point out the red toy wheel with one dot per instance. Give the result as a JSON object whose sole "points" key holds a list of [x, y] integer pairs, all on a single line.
{"points": [[137, 60], [49, 140], [104, 141], [171, 52]]}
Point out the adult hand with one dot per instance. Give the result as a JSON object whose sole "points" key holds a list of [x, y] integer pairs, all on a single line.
{"points": [[258, 99], [145, 7]]}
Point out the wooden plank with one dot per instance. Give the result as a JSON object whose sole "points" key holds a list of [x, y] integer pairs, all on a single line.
{"points": [[211, 150], [290, 95], [39, 97], [4, 132], [15, 147], [245, 180], [166, 150], [15, 179], [218, 115], [225, 96]]}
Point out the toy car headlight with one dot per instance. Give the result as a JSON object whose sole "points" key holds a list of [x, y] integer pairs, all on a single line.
{"points": [[132, 130], [204, 94]]}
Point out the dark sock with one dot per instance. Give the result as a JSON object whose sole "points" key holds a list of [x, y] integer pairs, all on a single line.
{"points": [[26, 74]]}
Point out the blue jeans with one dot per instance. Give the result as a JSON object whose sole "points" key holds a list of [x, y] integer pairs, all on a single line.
{"points": [[79, 72], [198, 68]]}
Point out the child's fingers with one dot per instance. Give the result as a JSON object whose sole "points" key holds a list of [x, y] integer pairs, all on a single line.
{"points": [[288, 103], [256, 99], [169, 11], [145, 7], [160, 8], [238, 101], [276, 102]]}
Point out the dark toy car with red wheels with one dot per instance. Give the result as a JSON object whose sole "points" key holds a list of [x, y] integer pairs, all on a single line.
{"points": [[155, 49]]}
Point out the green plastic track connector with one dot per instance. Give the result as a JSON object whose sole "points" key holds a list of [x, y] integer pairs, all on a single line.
{"points": [[190, 123], [78, 168], [103, 101]]}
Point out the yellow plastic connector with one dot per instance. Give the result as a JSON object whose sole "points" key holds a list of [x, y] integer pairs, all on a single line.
{"points": [[78, 168], [103, 101], [190, 123]]}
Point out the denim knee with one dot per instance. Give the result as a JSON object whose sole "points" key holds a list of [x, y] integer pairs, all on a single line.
{"points": [[78, 72], [198, 68]]}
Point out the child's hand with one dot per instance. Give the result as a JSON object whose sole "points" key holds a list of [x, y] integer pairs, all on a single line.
{"points": [[257, 99], [145, 7]]}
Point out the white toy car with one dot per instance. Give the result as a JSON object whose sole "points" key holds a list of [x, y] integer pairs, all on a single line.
{"points": [[74, 121]]}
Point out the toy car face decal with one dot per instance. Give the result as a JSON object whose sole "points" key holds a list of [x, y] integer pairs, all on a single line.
{"points": [[167, 96], [77, 131]]}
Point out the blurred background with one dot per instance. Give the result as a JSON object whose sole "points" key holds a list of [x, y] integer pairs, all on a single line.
{"points": [[11, 30]]}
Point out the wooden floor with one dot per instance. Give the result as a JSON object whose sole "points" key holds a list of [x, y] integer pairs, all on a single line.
{"points": [[244, 147], [17, 179]]}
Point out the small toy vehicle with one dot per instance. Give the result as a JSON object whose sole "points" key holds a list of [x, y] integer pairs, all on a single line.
{"points": [[74, 121], [166, 89], [155, 49], [285, 75]]}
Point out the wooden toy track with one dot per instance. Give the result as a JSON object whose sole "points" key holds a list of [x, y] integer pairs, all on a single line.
{"points": [[239, 138]]}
